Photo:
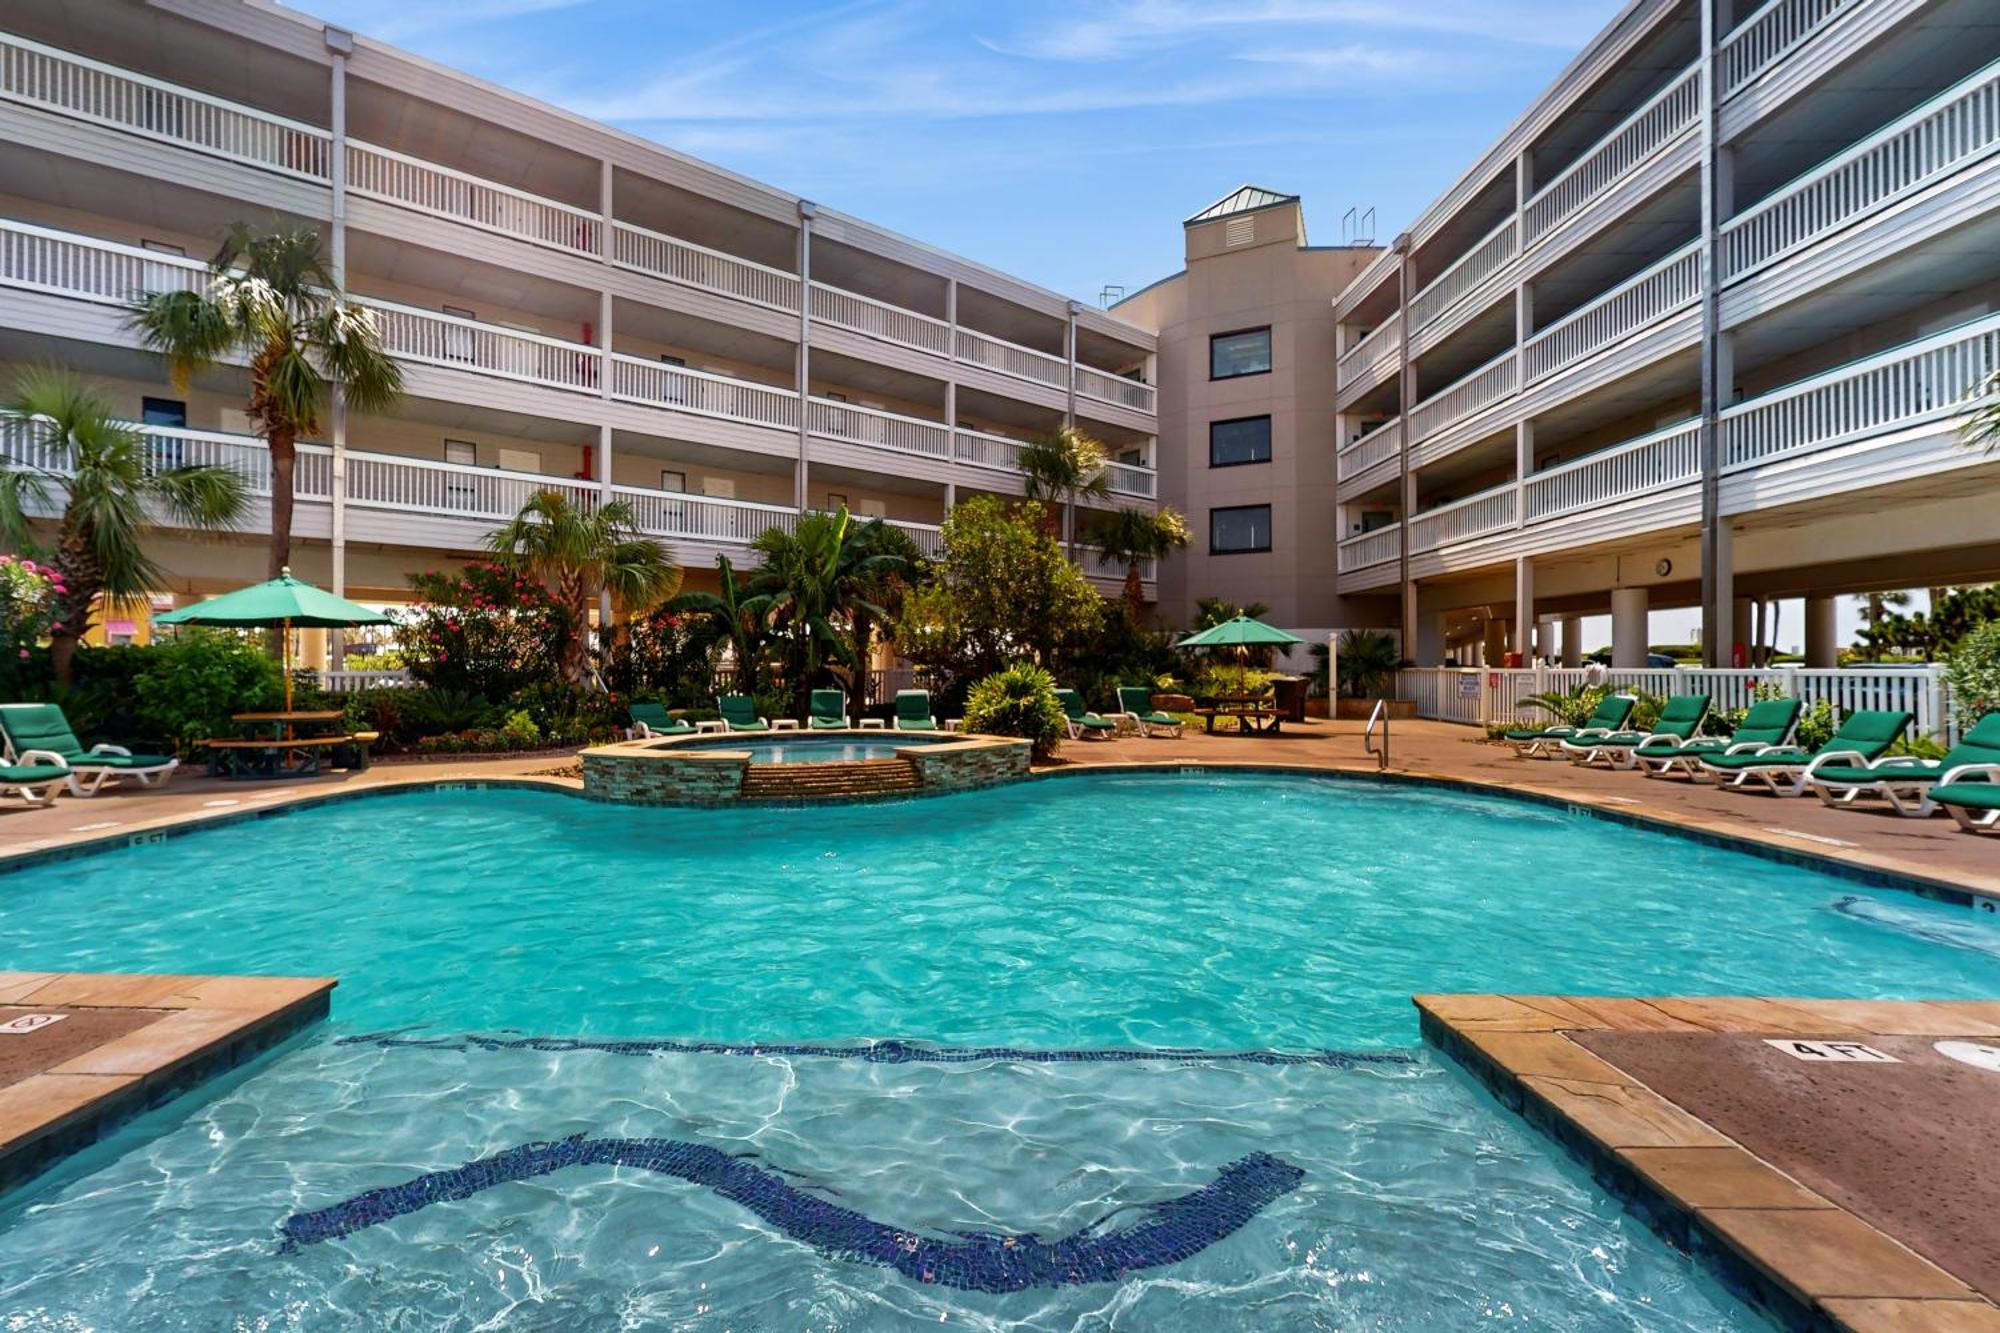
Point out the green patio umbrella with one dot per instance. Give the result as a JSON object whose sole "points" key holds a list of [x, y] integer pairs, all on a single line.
{"points": [[283, 602], [1242, 632]]}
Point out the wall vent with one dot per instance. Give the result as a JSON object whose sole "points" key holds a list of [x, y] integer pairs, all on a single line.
{"points": [[1239, 231]]}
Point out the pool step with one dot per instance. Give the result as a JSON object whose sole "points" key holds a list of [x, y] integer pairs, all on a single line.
{"points": [[817, 782]]}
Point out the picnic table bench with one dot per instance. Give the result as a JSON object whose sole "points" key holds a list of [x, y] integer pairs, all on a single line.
{"points": [[282, 753], [1253, 713]]}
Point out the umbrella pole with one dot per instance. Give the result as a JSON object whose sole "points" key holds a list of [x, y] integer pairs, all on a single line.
{"points": [[287, 668]]}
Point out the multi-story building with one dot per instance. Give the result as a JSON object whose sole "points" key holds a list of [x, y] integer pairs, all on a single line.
{"points": [[1246, 379], [1696, 331], [572, 306]]}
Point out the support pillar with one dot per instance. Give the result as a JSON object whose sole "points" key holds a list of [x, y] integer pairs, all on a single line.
{"points": [[1428, 635], [1739, 630], [1545, 640], [339, 43], [1572, 641], [1719, 606], [1822, 631], [1069, 355], [1629, 607], [1524, 607], [807, 211]]}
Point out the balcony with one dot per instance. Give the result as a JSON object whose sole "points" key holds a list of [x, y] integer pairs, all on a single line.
{"points": [[1475, 516], [1369, 357], [59, 263], [1673, 283], [1769, 35], [1663, 118], [1473, 393], [1954, 130], [1927, 383], [1465, 275], [75, 86], [1382, 546]]}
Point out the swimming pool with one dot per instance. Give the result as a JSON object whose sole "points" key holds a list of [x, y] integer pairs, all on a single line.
{"points": [[805, 748], [873, 1067]]}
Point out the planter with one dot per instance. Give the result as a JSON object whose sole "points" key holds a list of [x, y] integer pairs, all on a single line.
{"points": [[1316, 708], [1358, 710]]}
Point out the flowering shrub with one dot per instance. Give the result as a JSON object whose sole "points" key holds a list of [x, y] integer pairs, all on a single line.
{"points": [[30, 595], [665, 655], [483, 630]]}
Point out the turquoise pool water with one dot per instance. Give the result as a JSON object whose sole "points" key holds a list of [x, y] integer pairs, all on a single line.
{"points": [[806, 748], [519, 968]]}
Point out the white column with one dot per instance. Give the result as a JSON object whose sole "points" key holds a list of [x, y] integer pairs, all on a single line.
{"points": [[1822, 631], [1545, 639], [1572, 641], [339, 42], [807, 211], [1628, 626], [1524, 607], [1069, 354], [1739, 632]]}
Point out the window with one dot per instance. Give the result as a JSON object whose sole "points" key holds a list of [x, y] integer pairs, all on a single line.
{"points": [[1243, 440], [167, 451], [676, 388], [1245, 353], [458, 340], [163, 412], [460, 491], [1238, 529], [162, 247], [673, 481], [835, 502]]}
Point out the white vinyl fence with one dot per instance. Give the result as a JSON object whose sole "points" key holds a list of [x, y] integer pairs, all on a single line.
{"points": [[1480, 695]]}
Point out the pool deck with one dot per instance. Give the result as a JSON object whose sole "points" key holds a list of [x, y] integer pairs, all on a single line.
{"points": [[122, 1044], [1850, 1194]]}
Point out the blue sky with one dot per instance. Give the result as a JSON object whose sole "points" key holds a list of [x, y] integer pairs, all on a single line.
{"points": [[1062, 140]]}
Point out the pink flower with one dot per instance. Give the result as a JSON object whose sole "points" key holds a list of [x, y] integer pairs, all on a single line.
{"points": [[24, 652]]}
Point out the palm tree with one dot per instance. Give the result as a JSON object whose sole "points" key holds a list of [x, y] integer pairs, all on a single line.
{"points": [[727, 617], [272, 300], [1981, 428], [110, 482], [1065, 465], [1133, 536], [878, 563], [1875, 615], [579, 554]]}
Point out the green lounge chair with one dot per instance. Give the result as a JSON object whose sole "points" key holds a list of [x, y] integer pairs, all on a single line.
{"points": [[653, 719], [739, 713], [1768, 722], [1787, 769], [913, 711], [1137, 703], [1081, 721], [35, 784], [828, 711], [1606, 718], [39, 734], [1679, 720], [1972, 797], [1908, 783]]}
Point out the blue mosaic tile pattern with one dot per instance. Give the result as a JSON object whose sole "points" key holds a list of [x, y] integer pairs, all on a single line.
{"points": [[1170, 1231], [878, 1052]]}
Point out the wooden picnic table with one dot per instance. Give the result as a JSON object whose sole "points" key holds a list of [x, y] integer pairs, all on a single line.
{"points": [[1253, 712], [282, 753]]}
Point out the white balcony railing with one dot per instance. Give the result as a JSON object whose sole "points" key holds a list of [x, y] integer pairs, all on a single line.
{"points": [[1098, 565], [71, 85], [983, 349], [703, 518], [1470, 269], [428, 486], [1115, 389], [679, 389], [168, 447], [1927, 380], [1361, 360], [45, 260], [1377, 446], [694, 265], [466, 344], [1769, 34], [929, 537], [1652, 127], [981, 449], [381, 173], [879, 319], [1125, 479], [878, 429], [1651, 463], [1462, 520], [1951, 131], [1482, 388], [1654, 292], [1370, 548]]}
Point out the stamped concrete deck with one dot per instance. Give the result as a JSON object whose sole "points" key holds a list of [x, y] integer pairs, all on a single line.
{"points": [[123, 1044], [1855, 1195]]}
